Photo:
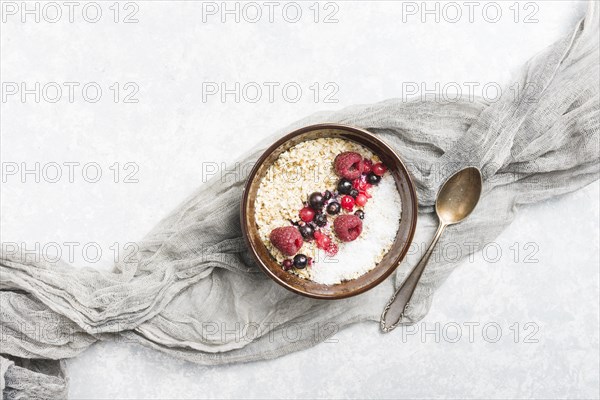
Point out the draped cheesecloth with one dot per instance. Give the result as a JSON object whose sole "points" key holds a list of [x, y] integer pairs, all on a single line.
{"points": [[194, 291]]}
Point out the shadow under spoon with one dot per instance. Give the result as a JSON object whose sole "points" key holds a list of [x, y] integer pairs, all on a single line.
{"points": [[455, 201]]}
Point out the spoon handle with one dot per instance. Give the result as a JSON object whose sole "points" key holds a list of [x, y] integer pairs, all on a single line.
{"points": [[394, 310]]}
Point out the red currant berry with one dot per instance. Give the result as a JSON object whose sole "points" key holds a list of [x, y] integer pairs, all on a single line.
{"points": [[307, 214], [379, 169], [347, 203], [287, 264], [361, 200], [368, 186]]}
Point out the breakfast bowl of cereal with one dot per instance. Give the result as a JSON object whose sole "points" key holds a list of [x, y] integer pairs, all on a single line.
{"points": [[329, 211]]}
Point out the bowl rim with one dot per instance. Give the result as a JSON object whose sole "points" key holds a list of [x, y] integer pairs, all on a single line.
{"points": [[252, 175]]}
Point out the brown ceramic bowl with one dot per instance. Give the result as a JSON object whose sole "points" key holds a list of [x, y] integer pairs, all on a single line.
{"points": [[390, 261]]}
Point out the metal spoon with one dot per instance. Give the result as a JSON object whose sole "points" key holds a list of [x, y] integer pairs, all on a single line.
{"points": [[455, 201]]}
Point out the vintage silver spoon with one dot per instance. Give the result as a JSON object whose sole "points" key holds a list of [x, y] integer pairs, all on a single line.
{"points": [[455, 201]]}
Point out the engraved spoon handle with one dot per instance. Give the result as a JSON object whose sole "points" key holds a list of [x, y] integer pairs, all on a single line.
{"points": [[394, 310]]}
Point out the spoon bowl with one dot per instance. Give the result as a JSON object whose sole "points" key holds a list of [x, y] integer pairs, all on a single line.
{"points": [[458, 196]]}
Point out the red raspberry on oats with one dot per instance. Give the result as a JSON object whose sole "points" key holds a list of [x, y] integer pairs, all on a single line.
{"points": [[347, 227], [286, 239], [348, 165]]}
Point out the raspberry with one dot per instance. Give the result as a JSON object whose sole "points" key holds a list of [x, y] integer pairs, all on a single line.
{"points": [[348, 165], [347, 227], [286, 239]]}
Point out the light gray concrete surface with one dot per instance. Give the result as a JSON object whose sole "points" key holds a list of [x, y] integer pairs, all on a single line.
{"points": [[524, 325]]}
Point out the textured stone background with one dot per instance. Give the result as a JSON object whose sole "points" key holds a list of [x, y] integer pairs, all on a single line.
{"points": [[171, 134]]}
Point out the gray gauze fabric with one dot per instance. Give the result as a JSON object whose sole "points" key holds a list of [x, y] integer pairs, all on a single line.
{"points": [[194, 291]]}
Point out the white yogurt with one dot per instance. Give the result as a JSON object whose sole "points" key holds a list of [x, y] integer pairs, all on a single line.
{"points": [[382, 219]]}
